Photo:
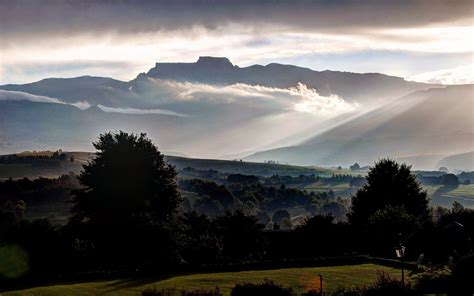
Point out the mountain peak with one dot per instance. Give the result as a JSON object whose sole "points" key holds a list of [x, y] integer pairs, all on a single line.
{"points": [[214, 61]]}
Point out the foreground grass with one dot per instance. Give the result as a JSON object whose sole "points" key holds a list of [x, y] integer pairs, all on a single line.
{"points": [[300, 279]]}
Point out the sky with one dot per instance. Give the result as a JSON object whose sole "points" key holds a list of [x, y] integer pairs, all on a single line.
{"points": [[429, 40]]}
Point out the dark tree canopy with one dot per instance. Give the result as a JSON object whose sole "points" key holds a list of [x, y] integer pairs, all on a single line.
{"points": [[450, 180], [128, 182], [389, 184], [355, 167]]}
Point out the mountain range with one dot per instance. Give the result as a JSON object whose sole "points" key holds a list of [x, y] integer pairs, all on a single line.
{"points": [[214, 109]]}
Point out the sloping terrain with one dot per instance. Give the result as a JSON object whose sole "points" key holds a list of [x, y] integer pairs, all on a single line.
{"points": [[437, 121]]}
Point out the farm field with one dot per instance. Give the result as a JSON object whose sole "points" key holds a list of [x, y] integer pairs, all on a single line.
{"points": [[227, 166], [463, 194], [300, 279], [340, 189], [466, 191]]}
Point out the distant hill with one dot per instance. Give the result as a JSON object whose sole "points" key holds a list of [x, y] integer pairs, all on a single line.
{"points": [[224, 166], [95, 90], [29, 125], [437, 121], [463, 161]]}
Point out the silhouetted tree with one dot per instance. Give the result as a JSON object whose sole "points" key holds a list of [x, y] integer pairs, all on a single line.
{"points": [[129, 198], [128, 182], [391, 202], [389, 184], [443, 169], [450, 180], [199, 244], [355, 167], [280, 215], [240, 235]]}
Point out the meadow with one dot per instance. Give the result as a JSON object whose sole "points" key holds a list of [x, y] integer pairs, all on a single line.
{"points": [[300, 279]]}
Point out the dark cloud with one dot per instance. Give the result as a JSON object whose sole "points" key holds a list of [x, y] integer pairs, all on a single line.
{"points": [[35, 18]]}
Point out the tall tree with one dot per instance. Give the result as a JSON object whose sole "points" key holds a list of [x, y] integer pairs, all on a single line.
{"points": [[128, 201], [128, 182], [391, 203], [389, 184]]}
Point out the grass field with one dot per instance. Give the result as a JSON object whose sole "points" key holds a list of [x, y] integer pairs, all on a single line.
{"points": [[466, 191], [227, 166], [340, 189], [300, 279], [463, 194]]}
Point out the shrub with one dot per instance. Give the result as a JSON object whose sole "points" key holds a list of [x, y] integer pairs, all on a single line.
{"points": [[462, 277], [156, 292], [172, 292], [265, 288], [311, 293], [384, 285], [434, 280]]}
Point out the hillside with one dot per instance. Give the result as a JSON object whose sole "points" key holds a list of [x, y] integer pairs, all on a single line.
{"points": [[461, 161], [420, 125], [224, 166]]}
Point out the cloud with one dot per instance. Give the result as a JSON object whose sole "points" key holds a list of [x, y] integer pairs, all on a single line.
{"points": [[134, 17], [7, 95], [83, 105], [140, 111], [67, 38], [22, 96], [313, 102], [458, 75], [269, 99]]}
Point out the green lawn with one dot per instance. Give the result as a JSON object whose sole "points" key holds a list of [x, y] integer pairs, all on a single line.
{"points": [[299, 279]]}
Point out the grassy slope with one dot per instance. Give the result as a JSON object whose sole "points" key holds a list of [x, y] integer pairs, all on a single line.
{"points": [[226, 166], [299, 279], [250, 168], [463, 194], [466, 191]]}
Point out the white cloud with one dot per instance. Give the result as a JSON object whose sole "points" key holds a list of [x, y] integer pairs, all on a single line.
{"points": [[83, 105], [313, 102], [6, 95], [243, 45], [458, 75], [140, 111], [299, 98]]}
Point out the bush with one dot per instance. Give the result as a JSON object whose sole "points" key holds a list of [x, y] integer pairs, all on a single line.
{"points": [[172, 292], [462, 277], [265, 288], [311, 293], [384, 285], [435, 280], [155, 292]]}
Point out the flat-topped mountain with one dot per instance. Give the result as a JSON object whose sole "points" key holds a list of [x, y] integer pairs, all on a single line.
{"points": [[350, 86]]}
